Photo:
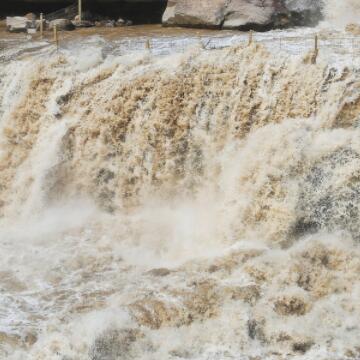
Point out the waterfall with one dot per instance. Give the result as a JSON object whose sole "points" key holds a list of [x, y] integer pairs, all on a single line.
{"points": [[201, 205]]}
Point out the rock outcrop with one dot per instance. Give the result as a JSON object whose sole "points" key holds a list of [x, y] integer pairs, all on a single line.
{"points": [[303, 12], [201, 13], [19, 24], [242, 14], [247, 13]]}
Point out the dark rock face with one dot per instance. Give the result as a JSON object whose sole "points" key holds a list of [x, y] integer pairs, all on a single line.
{"points": [[242, 14], [297, 13], [138, 11], [87, 1]]}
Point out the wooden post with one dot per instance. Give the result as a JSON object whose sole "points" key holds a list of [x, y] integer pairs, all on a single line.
{"points": [[201, 43], [56, 37], [148, 45], [80, 10], [316, 50], [41, 26], [250, 37]]}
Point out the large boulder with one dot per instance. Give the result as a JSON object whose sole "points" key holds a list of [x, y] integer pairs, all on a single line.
{"points": [[200, 13], [248, 13], [18, 24], [242, 14], [169, 14]]}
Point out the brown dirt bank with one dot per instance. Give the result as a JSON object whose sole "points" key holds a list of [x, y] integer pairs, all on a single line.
{"points": [[120, 32]]}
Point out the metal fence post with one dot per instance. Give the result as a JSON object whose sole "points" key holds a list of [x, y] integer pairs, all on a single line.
{"points": [[56, 37], [80, 10], [316, 50], [250, 37], [41, 26]]}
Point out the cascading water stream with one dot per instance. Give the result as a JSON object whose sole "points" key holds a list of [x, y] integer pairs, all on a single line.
{"points": [[188, 206]]}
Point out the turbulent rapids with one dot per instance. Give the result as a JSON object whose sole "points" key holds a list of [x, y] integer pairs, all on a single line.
{"points": [[202, 205]]}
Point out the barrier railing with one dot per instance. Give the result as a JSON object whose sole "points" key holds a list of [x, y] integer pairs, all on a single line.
{"points": [[335, 47], [66, 13], [346, 44]]}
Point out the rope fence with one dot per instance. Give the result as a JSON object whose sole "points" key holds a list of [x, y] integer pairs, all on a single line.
{"points": [[297, 46], [333, 47]]}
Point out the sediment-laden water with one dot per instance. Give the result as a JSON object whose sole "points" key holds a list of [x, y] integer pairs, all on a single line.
{"points": [[180, 204]]}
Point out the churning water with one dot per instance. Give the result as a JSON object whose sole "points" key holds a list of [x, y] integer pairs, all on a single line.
{"points": [[199, 204]]}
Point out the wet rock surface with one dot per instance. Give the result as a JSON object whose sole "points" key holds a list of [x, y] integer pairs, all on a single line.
{"points": [[115, 344]]}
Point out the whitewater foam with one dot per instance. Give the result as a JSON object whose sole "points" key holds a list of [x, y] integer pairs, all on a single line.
{"points": [[341, 13], [195, 205]]}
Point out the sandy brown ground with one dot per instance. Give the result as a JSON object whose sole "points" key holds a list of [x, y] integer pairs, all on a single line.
{"points": [[119, 32]]}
